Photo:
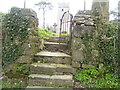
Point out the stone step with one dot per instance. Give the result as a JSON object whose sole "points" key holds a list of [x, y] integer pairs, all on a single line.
{"points": [[48, 88], [61, 39], [53, 57], [36, 87], [51, 68], [53, 46], [49, 80], [55, 43]]}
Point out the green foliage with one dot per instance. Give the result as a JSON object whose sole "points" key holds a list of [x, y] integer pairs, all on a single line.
{"points": [[106, 42], [44, 33], [15, 31], [100, 44], [98, 78], [102, 39], [87, 76], [20, 68], [1, 16], [13, 83], [87, 38], [108, 81]]}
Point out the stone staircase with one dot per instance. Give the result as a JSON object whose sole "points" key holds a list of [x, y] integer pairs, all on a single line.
{"points": [[52, 67]]}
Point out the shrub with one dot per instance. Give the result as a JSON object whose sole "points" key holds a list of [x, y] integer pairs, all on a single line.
{"points": [[44, 33]]}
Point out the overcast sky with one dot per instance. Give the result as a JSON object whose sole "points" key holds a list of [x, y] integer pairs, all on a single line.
{"points": [[51, 15]]}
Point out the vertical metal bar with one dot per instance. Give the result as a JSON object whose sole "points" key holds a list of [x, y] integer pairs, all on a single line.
{"points": [[63, 26], [68, 25], [60, 29]]}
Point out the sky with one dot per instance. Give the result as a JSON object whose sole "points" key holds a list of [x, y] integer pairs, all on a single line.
{"points": [[51, 15]]}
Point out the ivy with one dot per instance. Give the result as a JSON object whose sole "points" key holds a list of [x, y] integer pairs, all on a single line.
{"points": [[106, 42], [15, 32], [102, 40]]}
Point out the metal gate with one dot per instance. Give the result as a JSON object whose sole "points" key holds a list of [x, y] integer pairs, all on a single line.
{"points": [[66, 24]]}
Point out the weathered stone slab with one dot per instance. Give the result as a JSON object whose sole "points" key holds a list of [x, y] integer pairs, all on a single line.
{"points": [[52, 46], [56, 60], [60, 80], [24, 60], [61, 39], [27, 88], [89, 23], [87, 66], [66, 69], [54, 43], [50, 69], [52, 54], [47, 88], [79, 19]]}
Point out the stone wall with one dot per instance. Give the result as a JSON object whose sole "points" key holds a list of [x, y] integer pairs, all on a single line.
{"points": [[84, 53], [32, 43]]}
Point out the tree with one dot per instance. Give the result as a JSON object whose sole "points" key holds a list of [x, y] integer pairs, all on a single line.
{"points": [[44, 5]]}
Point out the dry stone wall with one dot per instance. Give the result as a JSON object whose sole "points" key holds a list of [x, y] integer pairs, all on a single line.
{"points": [[84, 51], [32, 43]]}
